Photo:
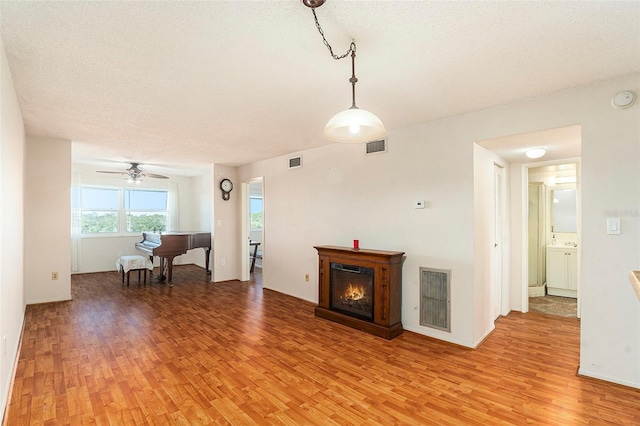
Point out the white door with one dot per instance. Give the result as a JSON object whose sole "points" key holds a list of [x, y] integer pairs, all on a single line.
{"points": [[496, 257]]}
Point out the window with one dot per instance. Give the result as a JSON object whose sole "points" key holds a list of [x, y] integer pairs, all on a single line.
{"points": [[146, 210], [107, 210], [99, 210], [255, 211]]}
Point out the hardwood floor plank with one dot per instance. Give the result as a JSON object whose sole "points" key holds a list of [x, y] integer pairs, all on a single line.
{"points": [[234, 354]]}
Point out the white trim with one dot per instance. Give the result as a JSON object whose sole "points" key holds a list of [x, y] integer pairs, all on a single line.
{"points": [[245, 221]]}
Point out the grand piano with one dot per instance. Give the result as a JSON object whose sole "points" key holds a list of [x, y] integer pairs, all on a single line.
{"points": [[168, 245]]}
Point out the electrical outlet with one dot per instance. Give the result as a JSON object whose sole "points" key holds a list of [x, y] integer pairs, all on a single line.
{"points": [[4, 347], [54, 275], [223, 262], [306, 277]]}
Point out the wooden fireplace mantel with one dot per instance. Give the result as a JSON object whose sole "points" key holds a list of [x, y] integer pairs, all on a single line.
{"points": [[387, 309]]}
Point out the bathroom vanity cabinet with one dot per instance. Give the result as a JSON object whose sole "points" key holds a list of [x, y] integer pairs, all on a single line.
{"points": [[562, 269]]}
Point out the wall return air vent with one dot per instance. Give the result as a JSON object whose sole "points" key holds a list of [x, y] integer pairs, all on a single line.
{"points": [[375, 147], [435, 298]]}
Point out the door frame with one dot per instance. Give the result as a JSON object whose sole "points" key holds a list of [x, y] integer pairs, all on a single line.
{"points": [[244, 232], [497, 255]]}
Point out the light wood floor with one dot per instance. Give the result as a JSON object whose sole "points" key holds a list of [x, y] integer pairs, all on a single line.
{"points": [[231, 353]]}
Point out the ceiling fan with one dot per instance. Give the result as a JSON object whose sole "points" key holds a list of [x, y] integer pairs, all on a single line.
{"points": [[136, 174]]}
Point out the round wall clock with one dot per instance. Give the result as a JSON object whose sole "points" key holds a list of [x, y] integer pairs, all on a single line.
{"points": [[226, 186]]}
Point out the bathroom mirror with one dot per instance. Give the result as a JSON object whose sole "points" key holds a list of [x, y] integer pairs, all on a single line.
{"points": [[563, 210]]}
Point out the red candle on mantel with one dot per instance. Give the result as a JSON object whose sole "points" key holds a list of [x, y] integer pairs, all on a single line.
{"points": [[356, 244]]}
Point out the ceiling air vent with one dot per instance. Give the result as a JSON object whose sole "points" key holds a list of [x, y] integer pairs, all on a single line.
{"points": [[295, 162], [375, 147]]}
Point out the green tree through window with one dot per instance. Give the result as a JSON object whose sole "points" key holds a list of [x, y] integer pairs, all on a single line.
{"points": [[255, 209], [99, 222], [146, 210], [118, 210], [99, 213]]}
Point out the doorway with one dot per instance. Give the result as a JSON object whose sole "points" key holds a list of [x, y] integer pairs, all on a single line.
{"points": [[561, 145], [252, 232], [256, 225], [553, 238]]}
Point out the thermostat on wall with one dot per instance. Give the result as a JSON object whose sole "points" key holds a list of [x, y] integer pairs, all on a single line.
{"points": [[623, 99]]}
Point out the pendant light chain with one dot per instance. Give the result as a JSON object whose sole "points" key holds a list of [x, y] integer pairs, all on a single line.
{"points": [[352, 46], [353, 80], [352, 50], [353, 124]]}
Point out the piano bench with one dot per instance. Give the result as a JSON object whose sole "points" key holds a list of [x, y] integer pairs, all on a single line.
{"points": [[134, 263]]}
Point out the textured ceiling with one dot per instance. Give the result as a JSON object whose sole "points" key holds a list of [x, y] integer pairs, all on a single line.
{"points": [[233, 82]]}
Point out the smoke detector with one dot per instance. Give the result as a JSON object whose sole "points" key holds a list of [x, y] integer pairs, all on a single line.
{"points": [[623, 99]]}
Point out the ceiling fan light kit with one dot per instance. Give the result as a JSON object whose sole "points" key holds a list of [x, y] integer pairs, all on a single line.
{"points": [[353, 124], [135, 174]]}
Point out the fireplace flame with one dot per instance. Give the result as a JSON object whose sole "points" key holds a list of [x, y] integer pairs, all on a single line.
{"points": [[354, 292]]}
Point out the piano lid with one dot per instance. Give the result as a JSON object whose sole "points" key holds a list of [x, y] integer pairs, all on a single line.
{"points": [[187, 239]]}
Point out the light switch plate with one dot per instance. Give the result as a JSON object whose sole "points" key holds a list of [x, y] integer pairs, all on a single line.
{"points": [[613, 226]]}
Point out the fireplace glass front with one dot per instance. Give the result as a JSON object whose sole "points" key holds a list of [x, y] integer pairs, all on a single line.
{"points": [[351, 291]]}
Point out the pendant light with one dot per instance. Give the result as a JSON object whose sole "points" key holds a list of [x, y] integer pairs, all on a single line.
{"points": [[353, 124]]}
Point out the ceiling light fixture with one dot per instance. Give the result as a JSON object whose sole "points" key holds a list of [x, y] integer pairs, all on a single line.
{"points": [[353, 124], [536, 152]]}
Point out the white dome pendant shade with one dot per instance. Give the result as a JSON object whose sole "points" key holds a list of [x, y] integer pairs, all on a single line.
{"points": [[354, 125]]}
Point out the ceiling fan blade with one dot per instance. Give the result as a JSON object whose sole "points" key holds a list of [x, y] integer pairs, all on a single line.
{"points": [[135, 173], [152, 175], [116, 173]]}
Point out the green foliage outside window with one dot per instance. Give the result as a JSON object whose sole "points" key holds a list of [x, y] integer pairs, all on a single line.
{"points": [[255, 211], [105, 210], [146, 222], [99, 222], [256, 220]]}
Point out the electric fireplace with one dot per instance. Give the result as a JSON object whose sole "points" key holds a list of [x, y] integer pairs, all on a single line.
{"points": [[361, 288], [351, 290]]}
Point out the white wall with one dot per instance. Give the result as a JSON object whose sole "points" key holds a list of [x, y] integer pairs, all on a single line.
{"points": [[610, 338], [98, 254], [12, 303], [202, 193], [340, 195], [226, 226], [202, 210], [47, 220]]}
